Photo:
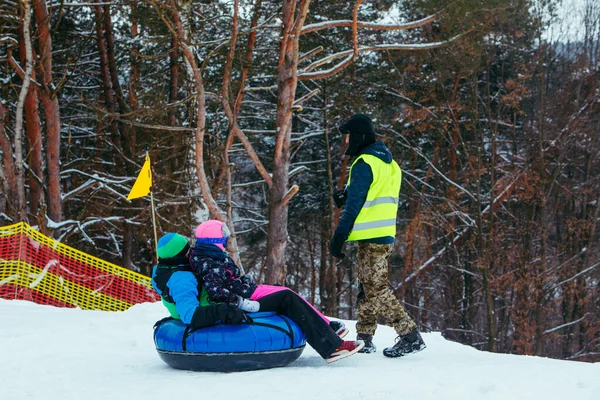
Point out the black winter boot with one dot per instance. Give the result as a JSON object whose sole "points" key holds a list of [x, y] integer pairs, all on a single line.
{"points": [[368, 339], [339, 328], [406, 344]]}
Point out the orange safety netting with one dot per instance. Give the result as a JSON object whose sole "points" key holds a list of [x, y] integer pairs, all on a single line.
{"points": [[37, 268]]}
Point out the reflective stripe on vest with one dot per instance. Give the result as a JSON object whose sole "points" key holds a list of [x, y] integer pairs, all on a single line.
{"points": [[375, 224], [377, 217], [381, 200]]}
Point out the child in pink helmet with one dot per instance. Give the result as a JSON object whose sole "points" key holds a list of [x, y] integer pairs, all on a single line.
{"points": [[224, 283]]}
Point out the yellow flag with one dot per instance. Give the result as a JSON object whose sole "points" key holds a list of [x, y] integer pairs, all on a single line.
{"points": [[142, 184]]}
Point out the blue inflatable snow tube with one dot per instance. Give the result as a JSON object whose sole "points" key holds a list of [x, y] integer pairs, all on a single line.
{"points": [[270, 340]]}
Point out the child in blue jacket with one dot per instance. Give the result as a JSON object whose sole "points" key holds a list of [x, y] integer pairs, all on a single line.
{"points": [[180, 291]]}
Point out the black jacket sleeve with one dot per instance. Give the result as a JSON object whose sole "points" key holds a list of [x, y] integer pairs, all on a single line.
{"points": [[360, 182]]}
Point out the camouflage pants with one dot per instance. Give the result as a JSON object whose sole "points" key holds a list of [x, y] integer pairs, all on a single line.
{"points": [[376, 299]]}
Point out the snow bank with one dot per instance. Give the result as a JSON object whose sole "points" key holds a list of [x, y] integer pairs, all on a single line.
{"points": [[60, 354]]}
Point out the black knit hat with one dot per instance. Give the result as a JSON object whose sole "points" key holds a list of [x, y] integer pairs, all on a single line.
{"points": [[361, 131], [358, 124]]}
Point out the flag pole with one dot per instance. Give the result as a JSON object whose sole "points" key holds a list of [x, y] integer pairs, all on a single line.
{"points": [[153, 213]]}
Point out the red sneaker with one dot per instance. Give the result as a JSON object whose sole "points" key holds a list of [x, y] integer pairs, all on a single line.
{"points": [[346, 349]]}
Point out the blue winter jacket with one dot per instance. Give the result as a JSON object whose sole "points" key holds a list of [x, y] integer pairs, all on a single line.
{"points": [[183, 289], [361, 180]]}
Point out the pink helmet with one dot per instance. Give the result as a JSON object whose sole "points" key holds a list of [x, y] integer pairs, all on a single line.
{"points": [[213, 232]]}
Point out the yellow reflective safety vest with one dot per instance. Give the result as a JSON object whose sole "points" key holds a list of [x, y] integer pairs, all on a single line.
{"points": [[377, 218]]}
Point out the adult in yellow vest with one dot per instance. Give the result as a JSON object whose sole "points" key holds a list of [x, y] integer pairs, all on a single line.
{"points": [[369, 218]]}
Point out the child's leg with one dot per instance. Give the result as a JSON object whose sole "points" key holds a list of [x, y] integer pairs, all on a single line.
{"points": [[317, 331], [265, 290]]}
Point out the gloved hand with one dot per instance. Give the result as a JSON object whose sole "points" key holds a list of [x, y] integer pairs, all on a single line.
{"points": [[230, 314], [339, 197], [336, 245], [211, 315], [248, 305]]}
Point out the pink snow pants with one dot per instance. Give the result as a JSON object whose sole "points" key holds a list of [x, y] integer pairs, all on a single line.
{"points": [[265, 290]]}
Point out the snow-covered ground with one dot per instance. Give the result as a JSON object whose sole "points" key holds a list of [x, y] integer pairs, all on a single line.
{"points": [[60, 354]]}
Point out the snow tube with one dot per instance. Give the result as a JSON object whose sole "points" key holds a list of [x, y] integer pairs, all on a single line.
{"points": [[270, 340]]}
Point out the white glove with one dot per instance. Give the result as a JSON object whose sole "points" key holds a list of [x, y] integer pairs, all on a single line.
{"points": [[248, 305]]}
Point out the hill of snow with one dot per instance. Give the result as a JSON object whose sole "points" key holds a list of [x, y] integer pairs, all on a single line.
{"points": [[61, 354]]}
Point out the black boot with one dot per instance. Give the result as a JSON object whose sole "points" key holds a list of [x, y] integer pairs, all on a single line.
{"points": [[406, 344], [368, 339], [339, 328]]}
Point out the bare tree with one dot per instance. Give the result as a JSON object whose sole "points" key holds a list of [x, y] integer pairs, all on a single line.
{"points": [[18, 140], [49, 97]]}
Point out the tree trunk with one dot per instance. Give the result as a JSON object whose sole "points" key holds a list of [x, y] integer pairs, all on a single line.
{"points": [[323, 266], [174, 80], [491, 248], [279, 194], [35, 156], [9, 174], [8, 170], [127, 134], [278, 219], [332, 288], [34, 140], [21, 208], [49, 99], [483, 253], [109, 101], [540, 271], [134, 59], [313, 267]]}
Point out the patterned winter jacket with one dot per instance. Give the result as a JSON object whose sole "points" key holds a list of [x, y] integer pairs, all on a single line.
{"points": [[222, 279]]}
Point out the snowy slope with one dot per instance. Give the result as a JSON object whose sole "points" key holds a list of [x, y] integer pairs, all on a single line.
{"points": [[61, 354]]}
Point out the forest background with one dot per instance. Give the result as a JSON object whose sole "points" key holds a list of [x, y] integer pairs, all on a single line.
{"points": [[491, 108]]}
